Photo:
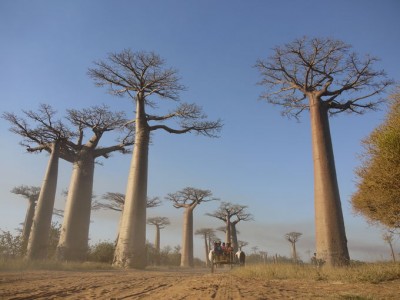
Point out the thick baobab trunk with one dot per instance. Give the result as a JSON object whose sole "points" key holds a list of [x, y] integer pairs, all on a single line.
{"points": [[187, 239], [157, 245], [228, 230], [330, 235], [234, 238], [39, 235], [73, 244], [28, 222], [131, 245]]}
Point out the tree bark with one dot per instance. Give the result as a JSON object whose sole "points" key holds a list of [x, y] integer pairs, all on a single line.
{"points": [[187, 239], [294, 253], [131, 245], [39, 236], [228, 230], [157, 245], [73, 244], [206, 249], [330, 235], [28, 223], [234, 238]]}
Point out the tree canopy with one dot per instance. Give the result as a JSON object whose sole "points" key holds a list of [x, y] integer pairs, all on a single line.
{"points": [[325, 66], [378, 186]]}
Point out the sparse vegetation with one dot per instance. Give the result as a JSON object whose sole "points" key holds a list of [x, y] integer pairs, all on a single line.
{"points": [[367, 272]]}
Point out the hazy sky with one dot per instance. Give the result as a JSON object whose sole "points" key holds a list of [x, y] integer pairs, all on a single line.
{"points": [[261, 160]]}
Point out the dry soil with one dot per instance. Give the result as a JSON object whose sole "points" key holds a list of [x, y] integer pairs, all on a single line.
{"points": [[178, 284]]}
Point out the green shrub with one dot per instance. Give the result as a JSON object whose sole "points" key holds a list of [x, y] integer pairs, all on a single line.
{"points": [[102, 252], [11, 246]]}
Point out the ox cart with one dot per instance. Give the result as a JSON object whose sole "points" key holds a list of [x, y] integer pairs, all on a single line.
{"points": [[220, 259]]}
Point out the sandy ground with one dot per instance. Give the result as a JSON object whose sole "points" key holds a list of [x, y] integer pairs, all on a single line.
{"points": [[186, 284]]}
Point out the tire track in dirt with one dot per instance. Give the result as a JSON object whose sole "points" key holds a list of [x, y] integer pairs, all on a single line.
{"points": [[178, 285]]}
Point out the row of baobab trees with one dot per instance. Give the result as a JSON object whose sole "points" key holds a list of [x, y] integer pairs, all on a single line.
{"points": [[188, 199], [320, 75]]}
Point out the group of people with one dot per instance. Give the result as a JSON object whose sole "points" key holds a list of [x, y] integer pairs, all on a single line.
{"points": [[222, 248]]}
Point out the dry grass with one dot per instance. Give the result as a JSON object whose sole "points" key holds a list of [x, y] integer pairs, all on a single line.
{"points": [[22, 265], [369, 272]]}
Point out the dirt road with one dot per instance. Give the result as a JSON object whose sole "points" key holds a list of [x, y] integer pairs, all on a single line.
{"points": [[186, 284]]}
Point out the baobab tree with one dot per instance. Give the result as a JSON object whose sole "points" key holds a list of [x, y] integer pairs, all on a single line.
{"points": [[206, 233], [388, 238], [31, 193], [159, 223], [242, 215], [188, 198], [292, 238], [225, 213], [242, 244], [323, 76], [115, 201], [96, 120], [144, 78], [49, 135]]}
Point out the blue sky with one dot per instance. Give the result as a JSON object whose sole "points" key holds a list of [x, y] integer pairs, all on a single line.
{"points": [[261, 159]]}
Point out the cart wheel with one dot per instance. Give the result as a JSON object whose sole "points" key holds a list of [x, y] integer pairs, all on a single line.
{"points": [[212, 267]]}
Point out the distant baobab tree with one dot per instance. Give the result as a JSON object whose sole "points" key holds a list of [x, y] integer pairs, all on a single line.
{"points": [[242, 215], [159, 223], [142, 76], [50, 135], [225, 213], [388, 238], [115, 201], [292, 238], [323, 76], [254, 249], [211, 238], [188, 198], [242, 244], [31, 193], [206, 233]]}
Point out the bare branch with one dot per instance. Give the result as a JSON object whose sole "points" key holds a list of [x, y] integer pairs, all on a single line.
{"points": [[190, 197], [115, 201], [324, 68], [159, 222]]}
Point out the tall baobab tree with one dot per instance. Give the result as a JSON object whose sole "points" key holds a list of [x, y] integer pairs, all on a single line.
{"points": [[188, 198], [159, 223], [144, 78], [323, 76], [49, 135], [225, 213], [292, 238], [388, 238], [31, 193], [96, 120], [206, 233]]}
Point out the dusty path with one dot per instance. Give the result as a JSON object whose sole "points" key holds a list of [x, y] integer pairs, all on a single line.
{"points": [[188, 284]]}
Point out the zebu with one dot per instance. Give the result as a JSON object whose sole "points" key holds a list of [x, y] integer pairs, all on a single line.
{"points": [[241, 258]]}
